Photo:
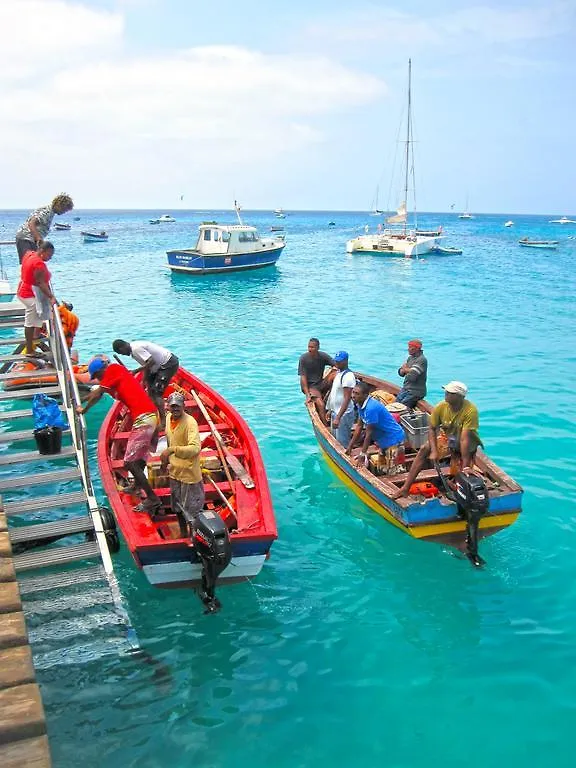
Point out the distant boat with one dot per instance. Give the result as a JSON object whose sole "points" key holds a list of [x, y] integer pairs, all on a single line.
{"points": [[279, 213], [94, 237], [374, 209], [562, 220], [164, 219], [446, 249], [226, 248], [276, 229], [331, 223], [62, 227], [76, 218], [550, 244], [466, 214], [400, 239], [509, 224]]}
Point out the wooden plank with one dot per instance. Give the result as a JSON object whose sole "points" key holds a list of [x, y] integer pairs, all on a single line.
{"points": [[12, 631], [21, 713], [5, 548], [7, 575], [26, 753], [16, 667], [10, 596]]}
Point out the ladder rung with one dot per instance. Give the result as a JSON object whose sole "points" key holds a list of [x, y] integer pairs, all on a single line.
{"points": [[55, 556], [24, 434], [13, 340], [16, 322], [15, 358], [44, 502], [47, 530], [18, 393], [26, 413], [37, 373], [41, 478], [30, 585], [21, 458]]}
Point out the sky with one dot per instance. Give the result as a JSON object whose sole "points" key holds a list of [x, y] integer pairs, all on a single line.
{"points": [[298, 104]]}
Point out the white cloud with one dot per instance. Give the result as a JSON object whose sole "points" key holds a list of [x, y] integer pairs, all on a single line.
{"points": [[458, 30], [82, 106]]}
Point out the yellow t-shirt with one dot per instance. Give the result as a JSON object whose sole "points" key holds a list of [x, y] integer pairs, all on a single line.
{"points": [[184, 438], [453, 422]]}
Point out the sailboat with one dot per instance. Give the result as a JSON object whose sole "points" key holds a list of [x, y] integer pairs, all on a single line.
{"points": [[374, 210], [466, 214], [397, 239]]}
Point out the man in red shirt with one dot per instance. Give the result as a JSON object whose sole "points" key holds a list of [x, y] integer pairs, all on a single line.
{"points": [[118, 382], [35, 284]]}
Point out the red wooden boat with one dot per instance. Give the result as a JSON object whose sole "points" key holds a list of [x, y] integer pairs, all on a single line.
{"points": [[161, 546]]}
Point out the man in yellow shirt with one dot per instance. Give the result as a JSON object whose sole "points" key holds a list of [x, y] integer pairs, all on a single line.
{"points": [[453, 431], [182, 457]]}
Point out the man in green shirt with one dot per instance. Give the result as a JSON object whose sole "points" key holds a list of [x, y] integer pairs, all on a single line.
{"points": [[453, 431]]}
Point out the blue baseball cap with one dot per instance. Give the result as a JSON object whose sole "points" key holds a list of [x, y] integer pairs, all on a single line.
{"points": [[95, 365], [339, 357]]}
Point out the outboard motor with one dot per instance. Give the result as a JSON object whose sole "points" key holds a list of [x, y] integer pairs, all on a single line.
{"points": [[212, 543], [472, 499]]}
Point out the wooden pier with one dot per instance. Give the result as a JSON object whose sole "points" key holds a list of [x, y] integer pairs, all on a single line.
{"points": [[54, 543]]}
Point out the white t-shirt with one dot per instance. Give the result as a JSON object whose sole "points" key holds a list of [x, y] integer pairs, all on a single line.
{"points": [[336, 396], [142, 351]]}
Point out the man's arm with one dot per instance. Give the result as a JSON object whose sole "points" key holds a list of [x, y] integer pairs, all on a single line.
{"points": [[33, 225], [355, 436], [346, 400], [432, 435], [465, 448], [304, 385], [40, 282], [93, 398]]}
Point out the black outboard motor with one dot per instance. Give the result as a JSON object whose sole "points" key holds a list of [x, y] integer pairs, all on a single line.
{"points": [[472, 499], [212, 543]]}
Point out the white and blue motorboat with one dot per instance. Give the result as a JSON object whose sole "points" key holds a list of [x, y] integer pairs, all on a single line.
{"points": [[227, 248], [94, 237]]}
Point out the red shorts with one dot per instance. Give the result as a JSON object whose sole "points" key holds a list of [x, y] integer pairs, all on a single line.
{"points": [[140, 442]]}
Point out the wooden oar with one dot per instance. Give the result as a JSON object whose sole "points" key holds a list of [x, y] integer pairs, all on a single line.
{"points": [[219, 492], [235, 465]]}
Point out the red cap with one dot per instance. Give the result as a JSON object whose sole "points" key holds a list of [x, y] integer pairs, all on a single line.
{"points": [[416, 343]]}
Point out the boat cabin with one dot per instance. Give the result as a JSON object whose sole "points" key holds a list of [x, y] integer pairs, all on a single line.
{"points": [[216, 238]]}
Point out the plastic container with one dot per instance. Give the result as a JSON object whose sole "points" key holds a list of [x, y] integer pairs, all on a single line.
{"points": [[48, 439], [415, 427]]}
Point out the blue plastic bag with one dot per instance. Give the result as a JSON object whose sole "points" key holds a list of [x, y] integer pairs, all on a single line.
{"points": [[47, 413]]}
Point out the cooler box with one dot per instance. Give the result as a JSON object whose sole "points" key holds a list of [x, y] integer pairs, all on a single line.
{"points": [[415, 427]]}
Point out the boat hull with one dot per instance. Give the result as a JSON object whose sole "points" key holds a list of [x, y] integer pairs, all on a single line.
{"points": [[384, 245], [434, 519], [546, 246], [195, 263], [158, 548]]}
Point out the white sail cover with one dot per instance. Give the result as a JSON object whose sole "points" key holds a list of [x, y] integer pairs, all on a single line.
{"points": [[400, 217]]}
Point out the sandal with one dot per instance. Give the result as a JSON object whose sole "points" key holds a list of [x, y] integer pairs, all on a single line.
{"points": [[152, 507]]}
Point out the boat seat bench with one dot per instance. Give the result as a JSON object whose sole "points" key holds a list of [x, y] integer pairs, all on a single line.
{"points": [[219, 427], [238, 452]]}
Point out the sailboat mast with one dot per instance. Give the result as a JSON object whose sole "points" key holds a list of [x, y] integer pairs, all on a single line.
{"points": [[408, 135]]}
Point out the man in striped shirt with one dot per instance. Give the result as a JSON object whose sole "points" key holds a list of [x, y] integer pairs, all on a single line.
{"points": [[37, 225]]}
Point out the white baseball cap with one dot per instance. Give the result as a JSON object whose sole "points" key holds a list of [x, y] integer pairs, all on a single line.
{"points": [[456, 388]]}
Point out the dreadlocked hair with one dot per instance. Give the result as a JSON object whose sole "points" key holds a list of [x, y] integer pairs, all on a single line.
{"points": [[63, 200]]}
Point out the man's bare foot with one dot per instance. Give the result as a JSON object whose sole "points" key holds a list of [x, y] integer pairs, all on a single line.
{"points": [[400, 493]]}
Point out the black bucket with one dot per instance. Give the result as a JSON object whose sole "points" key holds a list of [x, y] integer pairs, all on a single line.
{"points": [[48, 439]]}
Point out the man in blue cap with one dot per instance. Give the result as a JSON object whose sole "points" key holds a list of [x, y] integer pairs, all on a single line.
{"points": [[117, 381], [339, 405], [379, 427]]}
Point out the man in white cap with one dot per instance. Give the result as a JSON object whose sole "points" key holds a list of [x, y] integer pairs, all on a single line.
{"points": [[453, 432], [182, 457]]}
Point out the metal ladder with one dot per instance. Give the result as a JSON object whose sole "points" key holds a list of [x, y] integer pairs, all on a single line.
{"points": [[60, 554]]}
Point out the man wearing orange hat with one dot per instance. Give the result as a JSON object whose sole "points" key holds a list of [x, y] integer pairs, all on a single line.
{"points": [[414, 371]]}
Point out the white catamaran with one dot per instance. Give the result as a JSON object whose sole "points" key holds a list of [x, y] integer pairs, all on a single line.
{"points": [[400, 239]]}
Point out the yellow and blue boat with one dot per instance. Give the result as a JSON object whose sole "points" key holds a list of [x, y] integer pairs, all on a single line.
{"points": [[432, 518]]}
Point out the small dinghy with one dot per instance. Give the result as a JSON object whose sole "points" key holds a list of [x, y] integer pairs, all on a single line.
{"points": [[446, 249], [550, 244], [237, 496], [62, 227], [94, 237]]}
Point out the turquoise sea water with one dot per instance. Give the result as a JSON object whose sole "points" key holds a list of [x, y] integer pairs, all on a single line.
{"points": [[356, 645]]}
